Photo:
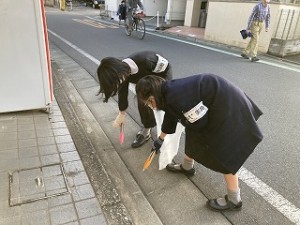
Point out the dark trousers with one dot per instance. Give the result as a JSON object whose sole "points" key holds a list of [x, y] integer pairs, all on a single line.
{"points": [[147, 115]]}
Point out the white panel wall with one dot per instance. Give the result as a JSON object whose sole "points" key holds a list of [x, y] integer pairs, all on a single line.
{"points": [[24, 78]]}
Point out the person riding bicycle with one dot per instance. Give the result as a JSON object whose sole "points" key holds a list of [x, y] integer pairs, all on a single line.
{"points": [[131, 6]]}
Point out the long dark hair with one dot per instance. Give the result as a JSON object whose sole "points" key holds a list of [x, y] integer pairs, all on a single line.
{"points": [[111, 72], [150, 86]]}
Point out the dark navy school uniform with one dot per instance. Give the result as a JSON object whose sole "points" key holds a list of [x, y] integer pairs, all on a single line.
{"points": [[225, 135], [146, 61]]}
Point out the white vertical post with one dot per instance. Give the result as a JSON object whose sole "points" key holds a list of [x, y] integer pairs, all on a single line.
{"points": [[157, 19]]}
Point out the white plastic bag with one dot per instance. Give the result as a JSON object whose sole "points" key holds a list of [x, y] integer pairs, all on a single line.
{"points": [[171, 142]]}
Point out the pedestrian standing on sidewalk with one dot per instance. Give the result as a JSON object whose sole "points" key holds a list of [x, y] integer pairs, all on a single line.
{"points": [[260, 13], [122, 11], [220, 125], [114, 77]]}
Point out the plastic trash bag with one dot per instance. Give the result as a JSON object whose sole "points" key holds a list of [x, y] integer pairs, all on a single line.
{"points": [[171, 142]]}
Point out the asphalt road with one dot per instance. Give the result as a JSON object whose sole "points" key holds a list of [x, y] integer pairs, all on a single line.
{"points": [[273, 85]]}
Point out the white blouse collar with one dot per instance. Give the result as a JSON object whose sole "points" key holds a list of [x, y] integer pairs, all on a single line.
{"points": [[133, 67]]}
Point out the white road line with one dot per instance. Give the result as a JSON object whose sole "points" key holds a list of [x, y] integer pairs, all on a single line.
{"points": [[92, 58], [275, 199]]}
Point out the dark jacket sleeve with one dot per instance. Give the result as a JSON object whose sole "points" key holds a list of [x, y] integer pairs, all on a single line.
{"points": [[169, 124], [123, 96]]}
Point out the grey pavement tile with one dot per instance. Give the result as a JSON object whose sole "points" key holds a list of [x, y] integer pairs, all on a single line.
{"points": [[41, 120], [56, 119], [27, 143], [48, 149], [70, 156], [26, 134], [22, 127], [46, 141], [25, 113], [59, 125], [63, 214], [95, 220], [63, 139], [45, 132], [79, 178], [28, 189], [88, 208], [25, 120], [9, 154], [57, 192], [26, 163], [8, 116], [8, 122], [82, 192], [73, 167], [60, 200], [8, 136], [34, 206], [10, 128], [9, 144], [28, 152], [36, 218], [3, 176], [56, 112], [4, 190], [7, 212], [51, 171], [14, 220], [54, 183], [71, 223], [66, 147], [61, 131], [50, 159], [9, 165], [26, 175], [42, 126]]}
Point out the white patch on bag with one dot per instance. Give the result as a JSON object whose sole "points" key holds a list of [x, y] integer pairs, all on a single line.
{"points": [[196, 113], [161, 64]]}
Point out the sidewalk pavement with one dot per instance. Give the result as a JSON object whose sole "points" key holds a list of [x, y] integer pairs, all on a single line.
{"points": [[42, 178]]}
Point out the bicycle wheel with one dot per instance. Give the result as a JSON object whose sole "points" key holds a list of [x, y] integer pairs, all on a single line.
{"points": [[140, 28]]}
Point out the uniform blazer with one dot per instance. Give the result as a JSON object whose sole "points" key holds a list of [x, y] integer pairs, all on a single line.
{"points": [[228, 128], [146, 62]]}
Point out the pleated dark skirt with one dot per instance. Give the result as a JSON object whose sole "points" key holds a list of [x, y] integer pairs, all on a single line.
{"points": [[196, 148]]}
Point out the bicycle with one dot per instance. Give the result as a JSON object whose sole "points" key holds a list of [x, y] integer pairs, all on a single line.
{"points": [[138, 25]]}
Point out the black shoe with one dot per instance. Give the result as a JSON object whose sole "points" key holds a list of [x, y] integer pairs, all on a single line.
{"points": [[254, 59], [244, 56], [140, 140], [171, 167], [230, 206]]}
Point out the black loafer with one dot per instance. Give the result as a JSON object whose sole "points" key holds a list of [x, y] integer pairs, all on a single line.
{"points": [[244, 56], [254, 59], [140, 140], [230, 206], [171, 167]]}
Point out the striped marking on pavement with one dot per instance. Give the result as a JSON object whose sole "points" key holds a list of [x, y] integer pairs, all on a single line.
{"points": [[288, 209], [94, 23]]}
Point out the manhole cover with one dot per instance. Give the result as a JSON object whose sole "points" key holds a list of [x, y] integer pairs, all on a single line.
{"points": [[30, 185]]}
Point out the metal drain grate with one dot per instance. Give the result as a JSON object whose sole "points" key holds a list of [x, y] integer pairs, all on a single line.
{"points": [[38, 183]]}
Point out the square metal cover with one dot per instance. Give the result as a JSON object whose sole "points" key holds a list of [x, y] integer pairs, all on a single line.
{"points": [[38, 183]]}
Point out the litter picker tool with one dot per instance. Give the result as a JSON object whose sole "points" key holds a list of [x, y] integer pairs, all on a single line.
{"points": [[149, 160], [121, 133]]}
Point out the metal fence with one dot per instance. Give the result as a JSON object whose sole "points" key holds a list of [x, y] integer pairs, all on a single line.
{"points": [[288, 27]]}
